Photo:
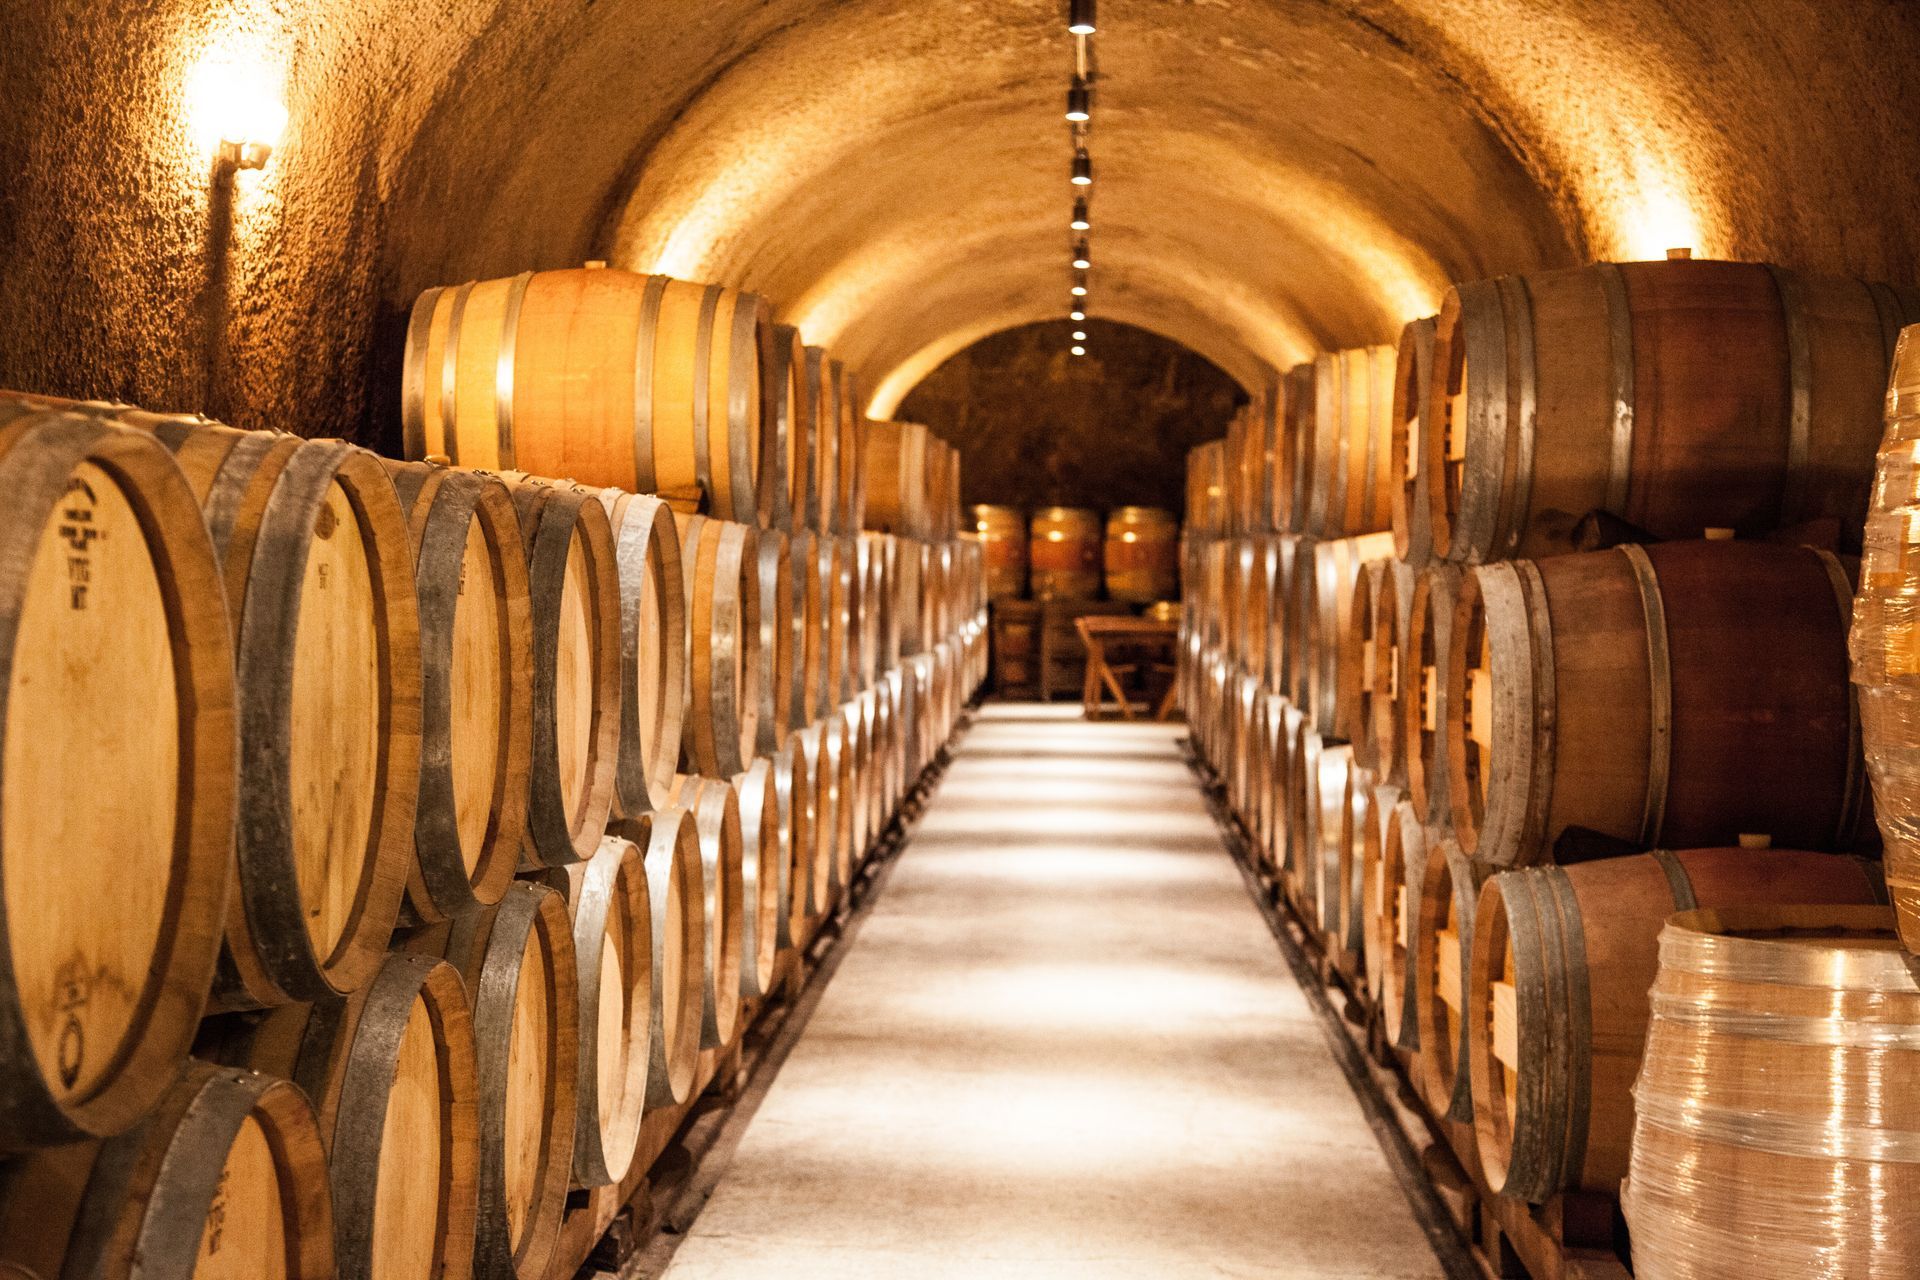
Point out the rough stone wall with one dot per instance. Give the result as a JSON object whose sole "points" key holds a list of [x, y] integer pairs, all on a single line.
{"points": [[1038, 427]]}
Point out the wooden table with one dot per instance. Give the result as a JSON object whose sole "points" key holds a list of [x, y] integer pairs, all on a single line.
{"points": [[1147, 634]]}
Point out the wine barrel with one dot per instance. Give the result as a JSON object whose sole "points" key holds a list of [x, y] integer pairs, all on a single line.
{"points": [[1372, 814], [225, 1179], [476, 691], [116, 631], [1403, 867], [392, 1075], [879, 559], [573, 572], [1676, 396], [1883, 640], [1443, 942], [653, 649], [787, 432], [519, 965], [855, 782], [775, 577], [869, 616], [808, 621], [843, 622], [823, 400], [600, 376], [823, 769], [764, 878], [720, 568], [1385, 663], [1142, 555], [1597, 690], [613, 957], [1424, 706], [1363, 811], [1342, 471], [676, 900], [319, 576], [1325, 579], [1206, 493], [1556, 1014], [1775, 1107], [795, 797], [897, 497], [716, 816], [853, 455], [1002, 535], [1063, 553], [1413, 424]]}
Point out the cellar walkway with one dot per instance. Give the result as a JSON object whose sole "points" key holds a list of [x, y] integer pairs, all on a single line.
{"points": [[1063, 1044]]}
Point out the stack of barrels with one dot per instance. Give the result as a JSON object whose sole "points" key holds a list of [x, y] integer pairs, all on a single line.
{"points": [[1528, 639], [458, 813]]}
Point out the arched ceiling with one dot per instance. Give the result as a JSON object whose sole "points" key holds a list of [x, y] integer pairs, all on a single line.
{"points": [[1273, 175]]}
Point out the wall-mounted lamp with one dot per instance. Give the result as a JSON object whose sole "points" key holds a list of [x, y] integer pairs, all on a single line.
{"points": [[1080, 220], [1080, 17], [1079, 102], [237, 111], [1082, 168]]}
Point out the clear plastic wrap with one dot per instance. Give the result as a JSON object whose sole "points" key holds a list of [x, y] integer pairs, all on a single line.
{"points": [[1886, 637], [1777, 1129]]}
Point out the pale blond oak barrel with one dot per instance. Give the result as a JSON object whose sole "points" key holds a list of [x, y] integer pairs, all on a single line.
{"points": [[715, 808], [653, 649], [676, 898], [794, 796], [1372, 814], [852, 514], [823, 405], [763, 875], [818, 744], [1063, 553], [720, 568], [573, 573], [843, 595], [600, 376], [613, 956], [1556, 996], [1776, 1111], [1342, 455], [1423, 705], [787, 432], [1413, 421], [897, 492], [1676, 396], [1383, 649], [1002, 535], [1403, 869], [807, 620], [113, 626], [1206, 490], [225, 1179], [1326, 577], [476, 689], [774, 575], [1684, 694], [1141, 557], [850, 839], [391, 1073], [319, 579], [1443, 947]]}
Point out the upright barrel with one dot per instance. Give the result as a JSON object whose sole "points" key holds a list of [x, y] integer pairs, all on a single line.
{"points": [[1063, 552], [1002, 535], [1141, 556]]}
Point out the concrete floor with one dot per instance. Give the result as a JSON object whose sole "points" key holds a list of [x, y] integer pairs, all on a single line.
{"points": [[1062, 1045]]}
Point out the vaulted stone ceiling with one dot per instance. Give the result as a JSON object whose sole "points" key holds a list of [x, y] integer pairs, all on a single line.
{"points": [[1273, 175]]}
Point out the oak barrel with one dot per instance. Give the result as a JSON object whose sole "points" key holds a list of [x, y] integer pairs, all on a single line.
{"points": [[1206, 492], [763, 876], [852, 513], [1325, 584], [1556, 996], [823, 401], [1002, 535], [774, 574], [676, 898], [1141, 556], [613, 957], [720, 568], [225, 1179], [1063, 553], [318, 564], [808, 623], [1443, 942], [1682, 694], [476, 689], [1403, 866], [601, 376], [653, 648], [1423, 706], [573, 572], [897, 494], [786, 432], [114, 627], [1775, 1105], [1375, 638], [795, 796], [1342, 470], [715, 807], [1413, 422], [1677, 396], [817, 742]]}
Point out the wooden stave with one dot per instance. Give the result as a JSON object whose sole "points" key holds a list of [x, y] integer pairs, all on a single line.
{"points": [[720, 570], [823, 770], [1413, 422], [1390, 621], [442, 503], [823, 399], [1430, 613], [786, 431], [1571, 1137], [764, 886], [774, 576], [1360, 823], [808, 618], [1153, 574], [82, 1210], [552, 515], [488, 946], [1450, 885], [647, 552], [38, 451], [715, 808], [853, 454], [261, 494], [1293, 469], [670, 844], [850, 837], [794, 796], [1667, 593], [842, 596], [1403, 859], [1539, 332], [607, 890]]}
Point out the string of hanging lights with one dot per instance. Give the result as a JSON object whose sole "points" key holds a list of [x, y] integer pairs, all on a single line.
{"points": [[1081, 25]]}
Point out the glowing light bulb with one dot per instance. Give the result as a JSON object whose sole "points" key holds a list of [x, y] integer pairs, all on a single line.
{"points": [[1080, 220], [1082, 168], [1082, 257], [1080, 17], [1079, 335], [236, 108], [1079, 351], [1078, 313], [1079, 291], [1079, 102]]}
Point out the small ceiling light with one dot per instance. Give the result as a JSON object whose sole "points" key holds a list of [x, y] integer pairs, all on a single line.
{"points": [[1082, 168], [1082, 256], [1079, 335], [1079, 351], [1080, 219], [1079, 291], [1078, 313], [1079, 102], [1080, 17]]}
